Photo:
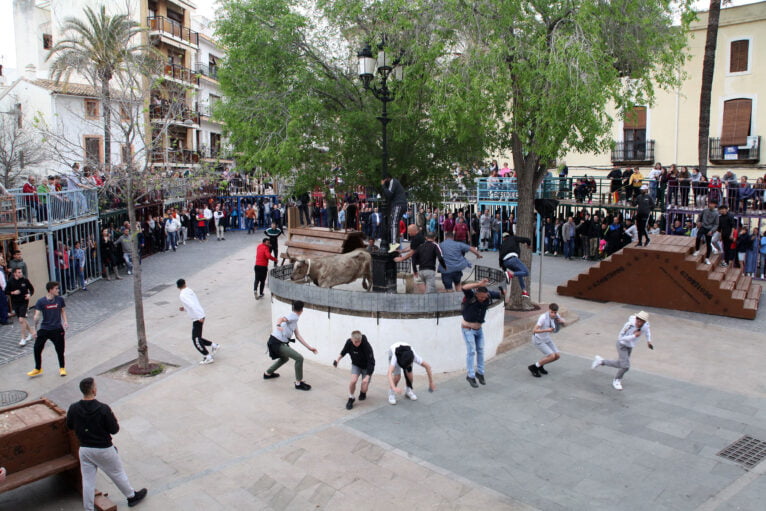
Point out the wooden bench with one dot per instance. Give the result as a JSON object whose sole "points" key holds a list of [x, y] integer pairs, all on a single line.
{"points": [[35, 443]]}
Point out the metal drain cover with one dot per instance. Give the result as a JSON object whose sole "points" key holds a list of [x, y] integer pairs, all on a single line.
{"points": [[747, 451], [11, 397]]}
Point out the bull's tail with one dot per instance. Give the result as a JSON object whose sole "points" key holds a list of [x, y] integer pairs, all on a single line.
{"points": [[367, 278]]}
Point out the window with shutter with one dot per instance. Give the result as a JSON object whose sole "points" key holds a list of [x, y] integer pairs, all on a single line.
{"points": [[736, 122], [635, 118], [738, 56]]}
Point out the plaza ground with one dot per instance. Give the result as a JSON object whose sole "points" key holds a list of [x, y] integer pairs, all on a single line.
{"points": [[220, 437]]}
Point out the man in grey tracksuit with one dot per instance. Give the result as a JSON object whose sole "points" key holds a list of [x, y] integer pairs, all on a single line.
{"points": [[709, 220], [626, 341]]}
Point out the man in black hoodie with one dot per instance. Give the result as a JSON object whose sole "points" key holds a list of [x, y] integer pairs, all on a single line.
{"points": [[94, 424], [509, 254]]}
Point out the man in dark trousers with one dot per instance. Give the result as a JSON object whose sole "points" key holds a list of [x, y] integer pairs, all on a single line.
{"points": [[477, 299], [709, 220], [274, 233], [727, 223], [94, 424], [362, 363], [510, 261], [397, 205], [645, 205], [615, 184], [53, 311], [19, 288], [262, 258]]}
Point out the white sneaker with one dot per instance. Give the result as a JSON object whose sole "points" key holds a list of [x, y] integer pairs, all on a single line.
{"points": [[391, 398], [23, 342], [715, 250], [696, 253], [215, 348], [596, 362], [617, 384], [28, 337], [207, 360], [707, 261], [410, 395]]}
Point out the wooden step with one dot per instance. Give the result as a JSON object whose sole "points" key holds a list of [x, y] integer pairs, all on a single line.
{"points": [[743, 282], [739, 294], [728, 285], [751, 304], [754, 292]]}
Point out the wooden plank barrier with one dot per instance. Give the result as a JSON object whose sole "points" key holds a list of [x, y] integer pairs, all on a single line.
{"points": [[321, 242], [665, 274]]}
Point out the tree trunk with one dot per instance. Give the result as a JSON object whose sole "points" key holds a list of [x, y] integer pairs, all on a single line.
{"points": [[106, 94], [526, 180], [138, 299], [708, 68]]}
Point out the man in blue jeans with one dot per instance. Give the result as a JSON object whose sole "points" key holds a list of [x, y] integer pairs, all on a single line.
{"points": [[476, 301], [510, 262]]}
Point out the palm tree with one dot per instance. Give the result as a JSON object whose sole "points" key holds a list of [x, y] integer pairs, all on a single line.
{"points": [[100, 47], [706, 88]]}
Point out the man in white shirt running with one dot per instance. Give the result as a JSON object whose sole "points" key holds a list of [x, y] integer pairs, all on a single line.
{"points": [[626, 341], [400, 359], [195, 311]]}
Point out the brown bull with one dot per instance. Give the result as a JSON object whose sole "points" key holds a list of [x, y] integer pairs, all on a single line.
{"points": [[333, 271]]}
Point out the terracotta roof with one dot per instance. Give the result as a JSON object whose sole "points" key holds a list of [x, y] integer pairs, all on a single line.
{"points": [[71, 89]]}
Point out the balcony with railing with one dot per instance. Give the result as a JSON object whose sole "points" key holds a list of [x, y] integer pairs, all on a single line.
{"points": [[175, 157], [181, 73], [216, 153], [633, 153], [208, 71], [172, 28], [41, 210], [173, 112], [749, 153]]}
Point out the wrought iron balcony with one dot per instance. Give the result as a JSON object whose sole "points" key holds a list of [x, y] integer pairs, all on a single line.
{"points": [[181, 73], [749, 153], [633, 153], [175, 156], [172, 28], [209, 71], [173, 112]]}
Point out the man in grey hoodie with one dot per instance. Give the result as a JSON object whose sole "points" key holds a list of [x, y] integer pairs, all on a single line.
{"points": [[709, 220]]}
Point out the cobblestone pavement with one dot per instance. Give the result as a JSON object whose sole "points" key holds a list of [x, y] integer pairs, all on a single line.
{"points": [[104, 298]]}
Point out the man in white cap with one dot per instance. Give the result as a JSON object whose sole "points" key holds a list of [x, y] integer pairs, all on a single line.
{"points": [[644, 205], [626, 341]]}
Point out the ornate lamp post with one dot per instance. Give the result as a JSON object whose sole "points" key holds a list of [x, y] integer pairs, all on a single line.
{"points": [[383, 265]]}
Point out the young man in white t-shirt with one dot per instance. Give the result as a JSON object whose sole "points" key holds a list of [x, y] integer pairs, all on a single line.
{"points": [[547, 323], [401, 356], [636, 326], [287, 326], [197, 314]]}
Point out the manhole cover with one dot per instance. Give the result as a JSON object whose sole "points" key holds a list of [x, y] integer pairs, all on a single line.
{"points": [[747, 451], [11, 397]]}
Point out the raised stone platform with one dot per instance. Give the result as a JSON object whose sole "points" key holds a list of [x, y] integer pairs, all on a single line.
{"points": [[666, 274]]}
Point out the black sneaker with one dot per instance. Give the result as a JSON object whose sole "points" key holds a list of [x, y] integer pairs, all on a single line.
{"points": [[362, 396], [302, 386], [349, 403], [267, 376], [137, 497], [542, 370], [534, 370], [472, 381], [480, 377]]}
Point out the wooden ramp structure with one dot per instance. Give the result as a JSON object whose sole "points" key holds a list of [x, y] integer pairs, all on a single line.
{"points": [[321, 242], [667, 274]]}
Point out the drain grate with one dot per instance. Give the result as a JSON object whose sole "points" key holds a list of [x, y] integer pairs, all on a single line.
{"points": [[11, 397], [747, 451]]}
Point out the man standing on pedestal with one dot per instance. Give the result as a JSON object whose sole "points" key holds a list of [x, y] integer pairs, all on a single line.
{"points": [[397, 204]]}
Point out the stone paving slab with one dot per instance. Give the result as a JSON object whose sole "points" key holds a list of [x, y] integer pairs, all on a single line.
{"points": [[597, 449]]}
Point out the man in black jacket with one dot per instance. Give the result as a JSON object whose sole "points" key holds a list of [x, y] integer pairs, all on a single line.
{"points": [[645, 205], [19, 288], [94, 424], [726, 224], [362, 363], [397, 205], [510, 261]]}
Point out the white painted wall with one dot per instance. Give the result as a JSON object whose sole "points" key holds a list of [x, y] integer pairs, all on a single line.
{"points": [[441, 345]]}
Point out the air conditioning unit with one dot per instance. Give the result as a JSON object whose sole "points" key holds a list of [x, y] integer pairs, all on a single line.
{"points": [[751, 142]]}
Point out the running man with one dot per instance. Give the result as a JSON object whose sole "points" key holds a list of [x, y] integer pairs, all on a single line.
{"points": [[197, 314], [19, 288], [280, 349], [400, 358], [477, 299], [362, 363], [626, 341], [548, 323]]}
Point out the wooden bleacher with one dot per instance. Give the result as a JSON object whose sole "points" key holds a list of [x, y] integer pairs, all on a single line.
{"points": [[666, 274]]}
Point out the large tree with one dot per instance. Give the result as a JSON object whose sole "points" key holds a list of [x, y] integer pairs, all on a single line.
{"points": [[19, 146], [295, 106], [706, 87], [99, 46]]}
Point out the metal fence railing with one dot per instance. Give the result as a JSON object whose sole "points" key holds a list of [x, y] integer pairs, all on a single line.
{"points": [[44, 209]]}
